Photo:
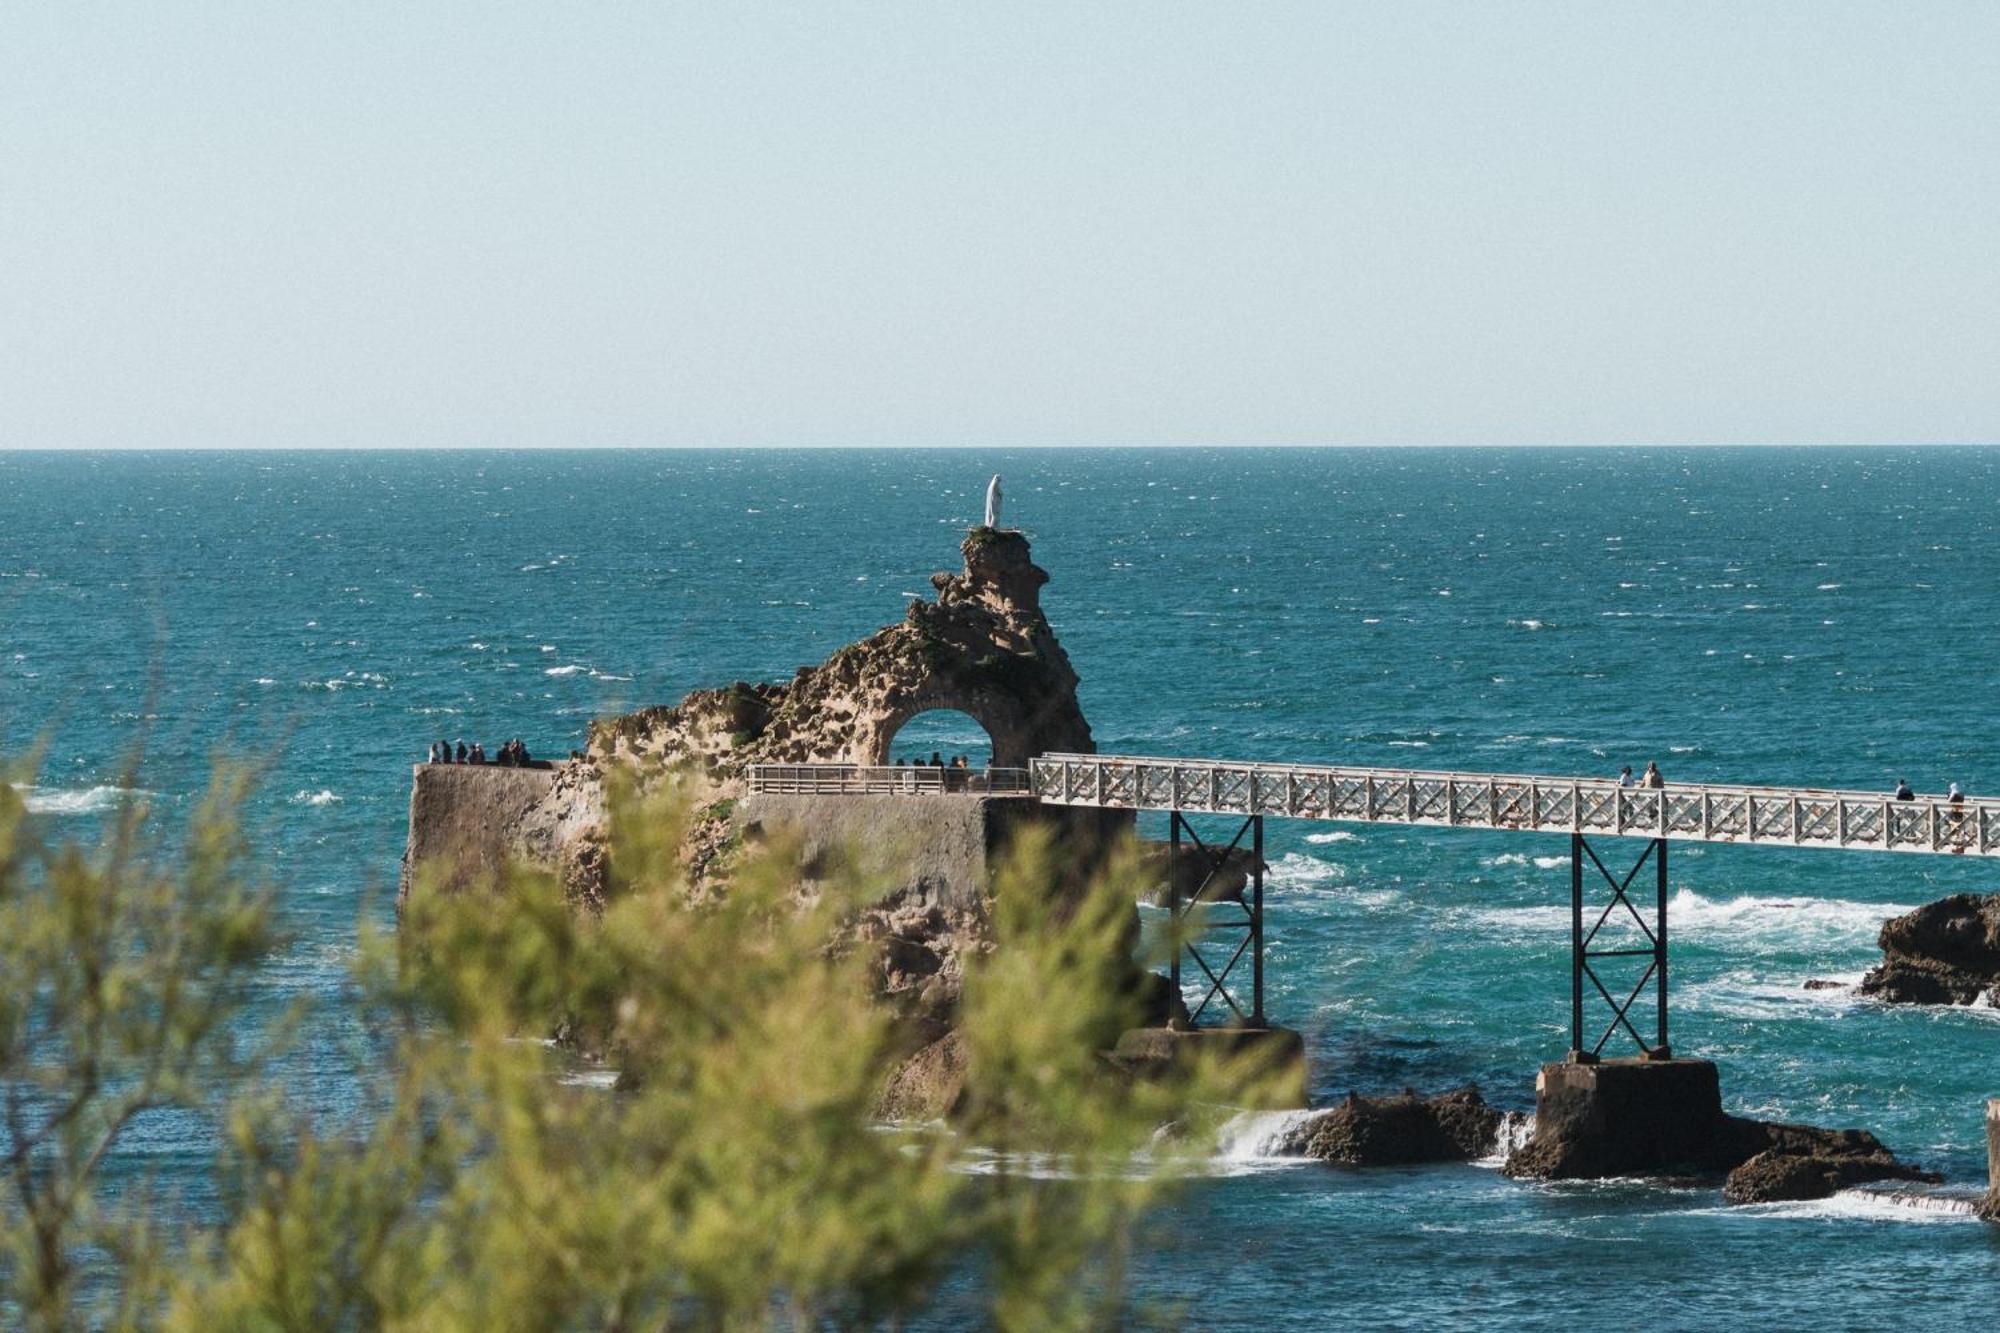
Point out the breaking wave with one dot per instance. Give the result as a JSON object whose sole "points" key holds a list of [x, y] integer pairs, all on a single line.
{"points": [[1338, 835], [1296, 869], [1792, 922], [324, 796], [1251, 1137], [1516, 1128], [1522, 859], [79, 801], [1875, 1203]]}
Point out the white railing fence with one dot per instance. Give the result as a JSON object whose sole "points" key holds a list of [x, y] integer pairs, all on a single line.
{"points": [[885, 780], [1798, 817]]}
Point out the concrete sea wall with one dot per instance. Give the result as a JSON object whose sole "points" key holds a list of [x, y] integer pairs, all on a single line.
{"points": [[460, 815]]}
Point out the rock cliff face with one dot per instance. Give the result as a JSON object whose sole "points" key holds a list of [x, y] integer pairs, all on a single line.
{"points": [[1946, 952]]}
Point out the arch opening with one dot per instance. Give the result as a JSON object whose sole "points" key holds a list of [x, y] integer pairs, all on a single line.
{"points": [[943, 733]]}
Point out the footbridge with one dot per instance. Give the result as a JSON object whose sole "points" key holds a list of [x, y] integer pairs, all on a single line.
{"points": [[1618, 906]]}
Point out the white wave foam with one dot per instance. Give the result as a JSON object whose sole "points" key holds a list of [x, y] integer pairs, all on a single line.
{"points": [[324, 796], [595, 674], [1264, 1136], [1338, 835], [1875, 1203], [1296, 868], [76, 801], [1516, 1128], [590, 1078], [1504, 859], [564, 671], [1793, 922]]}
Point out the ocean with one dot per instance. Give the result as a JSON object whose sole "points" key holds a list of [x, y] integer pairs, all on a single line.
{"points": [[1782, 616]]}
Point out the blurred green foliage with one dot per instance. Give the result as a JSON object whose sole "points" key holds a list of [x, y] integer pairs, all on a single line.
{"points": [[735, 1178]]}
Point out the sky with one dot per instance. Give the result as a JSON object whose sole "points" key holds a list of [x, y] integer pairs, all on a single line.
{"points": [[427, 223]]}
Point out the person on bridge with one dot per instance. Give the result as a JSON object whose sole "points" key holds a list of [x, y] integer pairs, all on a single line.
{"points": [[1625, 778], [1653, 781], [1956, 797], [1903, 792]]}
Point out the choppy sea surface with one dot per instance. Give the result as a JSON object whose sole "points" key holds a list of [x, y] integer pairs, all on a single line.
{"points": [[1781, 616]]}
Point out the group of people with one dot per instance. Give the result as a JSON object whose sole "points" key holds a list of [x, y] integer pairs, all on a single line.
{"points": [[513, 754], [1903, 793], [1650, 779], [936, 761], [957, 773]]}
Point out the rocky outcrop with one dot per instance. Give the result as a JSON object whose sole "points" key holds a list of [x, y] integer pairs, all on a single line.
{"points": [[1665, 1118], [1946, 952], [1814, 1163], [1455, 1126], [982, 647]]}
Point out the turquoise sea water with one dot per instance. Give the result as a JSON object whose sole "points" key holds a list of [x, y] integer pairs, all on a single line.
{"points": [[1781, 616]]}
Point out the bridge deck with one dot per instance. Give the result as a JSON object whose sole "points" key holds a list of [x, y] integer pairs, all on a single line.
{"points": [[1770, 816]]}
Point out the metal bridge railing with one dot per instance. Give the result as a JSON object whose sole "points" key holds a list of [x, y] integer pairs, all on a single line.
{"points": [[1798, 817], [886, 780]]}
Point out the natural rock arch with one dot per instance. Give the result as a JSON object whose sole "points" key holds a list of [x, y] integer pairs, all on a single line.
{"points": [[983, 648], [895, 732]]}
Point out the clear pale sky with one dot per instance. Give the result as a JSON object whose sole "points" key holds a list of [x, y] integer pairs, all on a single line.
{"points": [[424, 223]]}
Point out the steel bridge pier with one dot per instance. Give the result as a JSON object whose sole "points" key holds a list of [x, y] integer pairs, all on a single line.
{"points": [[1584, 950], [1186, 936]]}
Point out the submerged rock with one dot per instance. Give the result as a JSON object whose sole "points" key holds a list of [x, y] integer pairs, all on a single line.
{"points": [[1455, 1126], [1946, 952]]}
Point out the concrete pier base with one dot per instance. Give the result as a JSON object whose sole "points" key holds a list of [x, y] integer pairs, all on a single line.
{"points": [[1637, 1117], [1991, 1210], [1163, 1052]]}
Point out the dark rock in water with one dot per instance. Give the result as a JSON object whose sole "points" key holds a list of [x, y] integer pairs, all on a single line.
{"points": [[1456, 1126], [1160, 1003], [1946, 952], [1820, 983], [1665, 1118], [1776, 1174], [929, 1085]]}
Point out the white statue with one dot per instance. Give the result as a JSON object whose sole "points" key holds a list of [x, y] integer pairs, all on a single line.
{"points": [[993, 502]]}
